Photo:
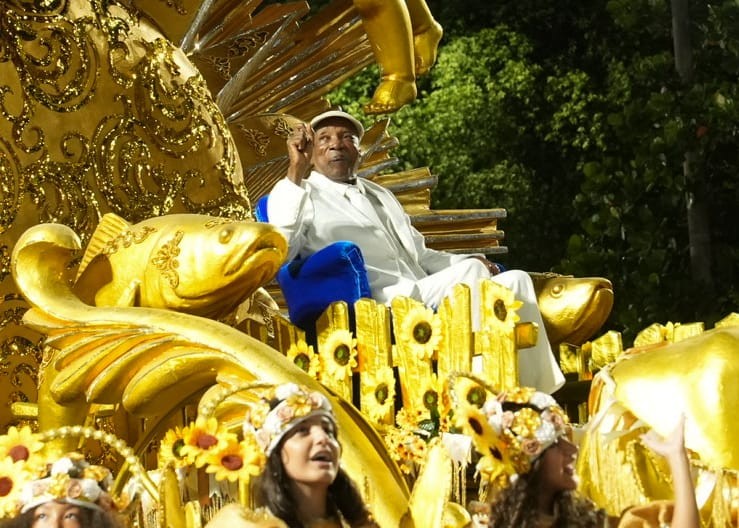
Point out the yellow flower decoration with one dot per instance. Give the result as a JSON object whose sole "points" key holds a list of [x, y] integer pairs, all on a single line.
{"points": [[204, 436], [59, 484], [22, 445], [379, 390], [518, 394], [303, 355], [12, 479], [298, 404], [407, 420], [340, 354], [526, 422], [170, 449], [421, 329], [501, 316], [236, 460], [407, 449], [256, 413]]}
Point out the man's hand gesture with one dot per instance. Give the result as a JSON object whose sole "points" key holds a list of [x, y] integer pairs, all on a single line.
{"points": [[300, 152]]}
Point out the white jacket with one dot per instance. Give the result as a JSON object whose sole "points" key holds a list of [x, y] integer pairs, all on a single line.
{"points": [[317, 213]]}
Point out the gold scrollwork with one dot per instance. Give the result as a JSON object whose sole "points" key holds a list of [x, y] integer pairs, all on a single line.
{"points": [[245, 43], [4, 262], [55, 58], [12, 185], [259, 141], [282, 128]]}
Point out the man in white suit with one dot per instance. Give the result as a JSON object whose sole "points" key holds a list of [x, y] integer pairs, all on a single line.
{"points": [[321, 201]]}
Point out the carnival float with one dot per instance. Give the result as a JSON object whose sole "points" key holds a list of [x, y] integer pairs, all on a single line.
{"points": [[135, 140]]}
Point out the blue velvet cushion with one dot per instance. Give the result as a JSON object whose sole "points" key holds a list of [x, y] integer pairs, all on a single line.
{"points": [[310, 284], [260, 211], [335, 273]]}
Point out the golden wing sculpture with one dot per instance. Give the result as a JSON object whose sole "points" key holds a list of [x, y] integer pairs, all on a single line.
{"points": [[151, 360]]}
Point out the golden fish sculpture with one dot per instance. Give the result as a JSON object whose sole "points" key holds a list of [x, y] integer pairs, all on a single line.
{"points": [[151, 361], [573, 308], [190, 263]]}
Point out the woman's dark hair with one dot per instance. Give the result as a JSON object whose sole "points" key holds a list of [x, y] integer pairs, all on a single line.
{"points": [[273, 491], [516, 506], [89, 518]]}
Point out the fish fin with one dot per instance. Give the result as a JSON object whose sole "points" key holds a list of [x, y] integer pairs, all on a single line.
{"points": [[111, 225]]}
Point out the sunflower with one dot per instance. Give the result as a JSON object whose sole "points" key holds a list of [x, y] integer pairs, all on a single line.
{"points": [[491, 470], [421, 331], [12, 479], [339, 354], [500, 316], [474, 423], [378, 388], [170, 448], [22, 445], [202, 437], [303, 355], [432, 393], [236, 460], [473, 393]]}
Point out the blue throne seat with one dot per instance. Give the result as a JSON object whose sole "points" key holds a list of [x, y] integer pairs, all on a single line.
{"points": [[310, 284]]}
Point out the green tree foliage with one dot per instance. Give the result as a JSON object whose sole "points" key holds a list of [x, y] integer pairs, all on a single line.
{"points": [[571, 116], [482, 125]]}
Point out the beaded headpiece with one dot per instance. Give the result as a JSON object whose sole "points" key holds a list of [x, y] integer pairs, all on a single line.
{"points": [[286, 406], [511, 429]]}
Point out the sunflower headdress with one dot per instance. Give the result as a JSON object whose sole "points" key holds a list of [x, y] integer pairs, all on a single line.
{"points": [[510, 429], [31, 475], [280, 410], [238, 426]]}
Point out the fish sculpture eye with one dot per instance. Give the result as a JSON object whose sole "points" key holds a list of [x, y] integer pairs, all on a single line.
{"points": [[225, 235]]}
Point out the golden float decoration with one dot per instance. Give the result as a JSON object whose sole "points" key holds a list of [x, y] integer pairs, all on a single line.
{"points": [[133, 139]]}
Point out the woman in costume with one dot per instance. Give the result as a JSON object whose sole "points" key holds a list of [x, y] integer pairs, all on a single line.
{"points": [[69, 493], [523, 437], [302, 484]]}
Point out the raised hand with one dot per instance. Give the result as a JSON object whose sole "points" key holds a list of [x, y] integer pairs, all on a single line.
{"points": [[300, 152], [672, 448], [669, 446]]}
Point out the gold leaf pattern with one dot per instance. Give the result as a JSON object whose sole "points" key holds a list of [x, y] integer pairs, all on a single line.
{"points": [[166, 259], [126, 239]]}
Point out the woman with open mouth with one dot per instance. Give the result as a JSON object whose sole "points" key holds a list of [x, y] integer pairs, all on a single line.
{"points": [[303, 484]]}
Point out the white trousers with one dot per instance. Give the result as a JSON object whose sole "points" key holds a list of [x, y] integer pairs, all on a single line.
{"points": [[537, 366]]}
